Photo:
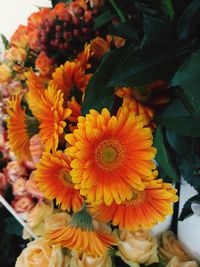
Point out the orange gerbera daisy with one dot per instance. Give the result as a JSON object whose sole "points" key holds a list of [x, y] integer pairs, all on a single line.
{"points": [[52, 177], [20, 128], [80, 235], [48, 109], [69, 76], [111, 155], [145, 209]]}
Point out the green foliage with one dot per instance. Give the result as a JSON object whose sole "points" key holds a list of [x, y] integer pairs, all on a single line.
{"points": [[125, 30], [55, 2], [176, 118], [187, 211], [188, 78], [163, 156], [103, 18], [5, 41], [189, 21], [169, 9]]}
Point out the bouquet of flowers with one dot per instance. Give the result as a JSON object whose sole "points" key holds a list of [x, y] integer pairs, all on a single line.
{"points": [[100, 118]]}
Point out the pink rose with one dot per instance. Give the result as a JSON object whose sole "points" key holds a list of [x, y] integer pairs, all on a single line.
{"points": [[14, 170], [19, 186], [32, 188], [23, 203]]}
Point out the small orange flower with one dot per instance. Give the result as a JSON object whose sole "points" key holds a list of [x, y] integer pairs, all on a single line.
{"points": [[74, 106], [145, 209], [19, 38], [53, 179], [111, 155], [44, 64]]}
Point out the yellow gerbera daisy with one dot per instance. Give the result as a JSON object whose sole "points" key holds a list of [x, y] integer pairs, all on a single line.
{"points": [[52, 177], [47, 107], [81, 235], [145, 209], [111, 155], [20, 128]]}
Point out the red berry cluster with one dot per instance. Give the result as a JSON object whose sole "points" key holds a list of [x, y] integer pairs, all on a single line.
{"points": [[62, 39]]}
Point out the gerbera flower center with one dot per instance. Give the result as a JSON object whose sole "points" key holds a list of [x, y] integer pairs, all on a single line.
{"points": [[137, 197], [109, 154], [65, 177]]}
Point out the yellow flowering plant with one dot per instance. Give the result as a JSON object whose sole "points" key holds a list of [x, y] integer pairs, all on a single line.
{"points": [[101, 125]]}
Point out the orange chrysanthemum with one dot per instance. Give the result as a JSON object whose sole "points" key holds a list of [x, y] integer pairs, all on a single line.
{"points": [[52, 177], [144, 210], [112, 155], [47, 107], [18, 134], [81, 235]]}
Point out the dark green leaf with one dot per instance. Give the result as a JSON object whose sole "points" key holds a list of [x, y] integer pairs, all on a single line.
{"points": [[55, 2], [155, 28], [5, 41], [190, 169], [187, 211], [163, 156], [188, 77], [189, 21], [124, 30], [13, 227], [157, 60], [103, 18], [178, 119], [93, 102], [168, 6]]}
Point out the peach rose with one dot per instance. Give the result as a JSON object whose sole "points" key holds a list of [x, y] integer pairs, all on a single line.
{"points": [[5, 73], [170, 247], [80, 259], [96, 3], [36, 147], [57, 220], [36, 218], [19, 186], [176, 262], [137, 248], [16, 54], [14, 170], [40, 253], [32, 188], [23, 203]]}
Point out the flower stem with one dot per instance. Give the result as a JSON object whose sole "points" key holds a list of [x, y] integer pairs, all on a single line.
{"points": [[118, 11]]}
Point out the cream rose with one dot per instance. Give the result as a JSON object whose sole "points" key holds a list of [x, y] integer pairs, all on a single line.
{"points": [[176, 262], [56, 221], [36, 217], [137, 248], [170, 247], [80, 259], [40, 253]]}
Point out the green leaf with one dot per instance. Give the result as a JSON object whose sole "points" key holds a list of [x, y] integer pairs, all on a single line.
{"points": [[93, 102], [12, 226], [186, 210], [125, 31], [189, 21], [155, 28], [190, 169], [188, 77], [168, 5], [157, 60], [5, 41], [176, 118], [55, 2], [103, 18], [118, 10], [163, 156]]}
